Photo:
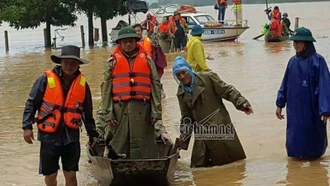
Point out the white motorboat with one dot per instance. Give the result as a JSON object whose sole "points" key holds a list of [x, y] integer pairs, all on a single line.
{"points": [[214, 33], [225, 32]]}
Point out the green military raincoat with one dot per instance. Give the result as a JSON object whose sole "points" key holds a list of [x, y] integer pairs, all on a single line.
{"points": [[206, 98], [134, 135]]}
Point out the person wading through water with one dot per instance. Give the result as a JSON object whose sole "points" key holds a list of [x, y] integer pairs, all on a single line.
{"points": [[131, 99], [63, 100], [144, 41], [150, 24], [164, 35], [196, 54], [153, 52], [305, 92], [200, 96], [178, 31]]}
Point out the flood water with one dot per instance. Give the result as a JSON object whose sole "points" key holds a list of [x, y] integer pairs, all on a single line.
{"points": [[252, 66]]}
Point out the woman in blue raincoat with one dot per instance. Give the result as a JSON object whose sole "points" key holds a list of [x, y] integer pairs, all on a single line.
{"points": [[305, 91]]}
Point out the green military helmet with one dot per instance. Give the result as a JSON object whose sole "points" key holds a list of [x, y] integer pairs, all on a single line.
{"points": [[302, 34], [127, 32]]}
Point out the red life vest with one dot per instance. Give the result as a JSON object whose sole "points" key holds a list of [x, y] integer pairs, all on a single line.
{"points": [[164, 28], [131, 82], [151, 24], [54, 106]]}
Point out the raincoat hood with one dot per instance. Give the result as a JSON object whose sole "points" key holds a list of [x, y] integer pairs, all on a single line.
{"points": [[309, 50], [181, 64]]}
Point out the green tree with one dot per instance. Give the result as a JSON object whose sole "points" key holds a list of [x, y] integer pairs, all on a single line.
{"points": [[108, 9], [87, 7], [22, 14], [104, 9]]}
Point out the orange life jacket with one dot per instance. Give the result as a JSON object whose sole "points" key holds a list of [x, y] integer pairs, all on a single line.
{"points": [[146, 43], [276, 15], [222, 1], [276, 29], [54, 106], [151, 24], [164, 28], [237, 2], [131, 82], [173, 24]]}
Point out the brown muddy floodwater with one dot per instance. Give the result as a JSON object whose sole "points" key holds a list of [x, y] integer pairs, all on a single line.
{"points": [[253, 67]]}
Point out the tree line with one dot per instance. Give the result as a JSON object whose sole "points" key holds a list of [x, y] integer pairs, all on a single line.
{"points": [[23, 14]]}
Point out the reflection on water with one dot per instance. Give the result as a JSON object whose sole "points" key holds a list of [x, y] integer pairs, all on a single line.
{"points": [[226, 175], [254, 67], [305, 172], [278, 47]]}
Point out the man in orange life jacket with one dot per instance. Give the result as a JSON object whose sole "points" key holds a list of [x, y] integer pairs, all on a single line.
{"points": [[63, 100], [178, 31], [164, 35], [131, 99], [150, 24], [275, 14]]}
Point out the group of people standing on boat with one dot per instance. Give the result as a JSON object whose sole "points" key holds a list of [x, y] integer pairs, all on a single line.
{"points": [[222, 5], [279, 24]]}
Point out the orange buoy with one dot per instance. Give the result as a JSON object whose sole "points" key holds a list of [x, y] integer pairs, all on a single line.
{"points": [[186, 9], [212, 25]]}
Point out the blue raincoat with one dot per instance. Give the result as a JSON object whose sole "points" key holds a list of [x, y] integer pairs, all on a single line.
{"points": [[305, 91]]}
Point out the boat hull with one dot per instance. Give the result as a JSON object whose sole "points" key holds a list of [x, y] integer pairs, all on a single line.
{"points": [[154, 171], [222, 33], [270, 38]]}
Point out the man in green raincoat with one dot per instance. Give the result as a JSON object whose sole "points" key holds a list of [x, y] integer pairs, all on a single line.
{"points": [[200, 97], [130, 113]]}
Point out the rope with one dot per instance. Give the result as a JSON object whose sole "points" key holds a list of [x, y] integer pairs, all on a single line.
{"points": [[26, 31], [307, 19], [321, 29]]}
